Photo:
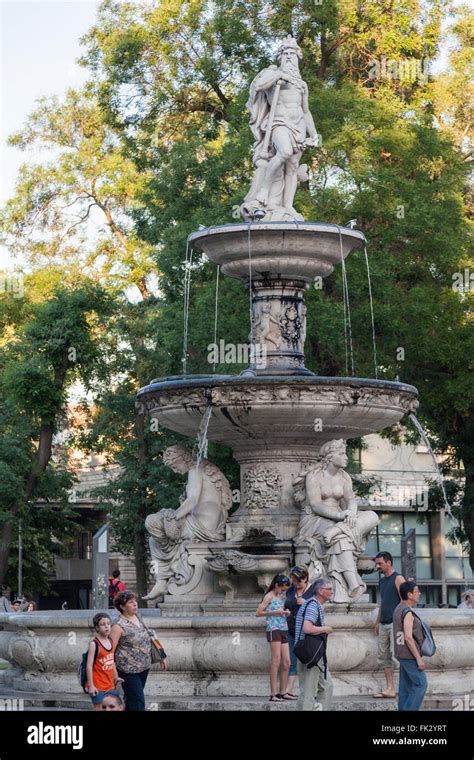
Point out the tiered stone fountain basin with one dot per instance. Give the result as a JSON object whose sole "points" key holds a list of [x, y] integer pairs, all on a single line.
{"points": [[216, 656], [268, 411], [301, 250]]}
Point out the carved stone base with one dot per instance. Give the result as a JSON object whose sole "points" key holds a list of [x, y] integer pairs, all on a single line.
{"points": [[203, 582], [242, 573], [227, 654]]}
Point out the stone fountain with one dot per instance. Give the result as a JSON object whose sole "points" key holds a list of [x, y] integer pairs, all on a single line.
{"points": [[286, 427], [276, 415]]}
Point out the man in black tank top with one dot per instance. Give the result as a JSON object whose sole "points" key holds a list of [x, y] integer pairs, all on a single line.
{"points": [[389, 585]]}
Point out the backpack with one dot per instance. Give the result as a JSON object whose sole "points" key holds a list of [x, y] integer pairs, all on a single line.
{"points": [[113, 591], [82, 669], [427, 646], [312, 648]]}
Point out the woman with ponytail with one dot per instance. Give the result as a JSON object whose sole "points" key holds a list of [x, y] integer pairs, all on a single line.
{"points": [[272, 608]]}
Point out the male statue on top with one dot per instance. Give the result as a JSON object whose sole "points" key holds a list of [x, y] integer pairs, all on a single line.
{"points": [[283, 127]]}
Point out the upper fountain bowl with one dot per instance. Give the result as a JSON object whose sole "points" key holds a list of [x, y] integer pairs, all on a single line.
{"points": [[287, 250]]}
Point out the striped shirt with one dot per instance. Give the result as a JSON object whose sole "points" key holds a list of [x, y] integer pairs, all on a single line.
{"points": [[311, 611]]}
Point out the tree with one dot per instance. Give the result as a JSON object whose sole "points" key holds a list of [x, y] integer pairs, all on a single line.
{"points": [[45, 348], [173, 81], [167, 108]]}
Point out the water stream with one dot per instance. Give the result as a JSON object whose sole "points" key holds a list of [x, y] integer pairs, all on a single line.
{"points": [[440, 478], [202, 436], [371, 311], [347, 312], [252, 325], [187, 284], [215, 315]]}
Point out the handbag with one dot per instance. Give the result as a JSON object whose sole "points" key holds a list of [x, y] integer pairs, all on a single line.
{"points": [[428, 646], [158, 654]]}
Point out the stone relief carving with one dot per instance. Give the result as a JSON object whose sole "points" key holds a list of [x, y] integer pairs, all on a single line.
{"points": [[262, 487], [221, 561], [267, 328], [291, 326], [250, 395]]}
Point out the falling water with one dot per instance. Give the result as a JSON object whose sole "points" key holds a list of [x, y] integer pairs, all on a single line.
{"points": [[202, 436], [215, 315], [371, 311], [187, 285], [252, 326], [425, 440], [347, 311]]}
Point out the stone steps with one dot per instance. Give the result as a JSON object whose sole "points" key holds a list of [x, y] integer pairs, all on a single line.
{"points": [[33, 701]]}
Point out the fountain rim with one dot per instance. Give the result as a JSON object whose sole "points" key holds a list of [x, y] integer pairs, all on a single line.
{"points": [[176, 382], [295, 226]]}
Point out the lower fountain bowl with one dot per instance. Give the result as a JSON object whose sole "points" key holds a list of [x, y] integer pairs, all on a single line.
{"points": [[277, 411]]}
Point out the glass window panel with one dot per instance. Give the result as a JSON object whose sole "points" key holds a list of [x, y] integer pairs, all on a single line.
{"points": [[453, 597], [467, 569], [372, 591], [423, 548], [370, 576], [452, 550], [411, 522], [423, 568], [390, 523], [433, 595], [422, 600], [390, 544], [454, 569], [371, 546]]}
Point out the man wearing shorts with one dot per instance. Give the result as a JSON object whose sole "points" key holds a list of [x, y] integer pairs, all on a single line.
{"points": [[389, 585]]}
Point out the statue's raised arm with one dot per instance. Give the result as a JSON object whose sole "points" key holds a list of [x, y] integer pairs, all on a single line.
{"points": [[283, 127]]}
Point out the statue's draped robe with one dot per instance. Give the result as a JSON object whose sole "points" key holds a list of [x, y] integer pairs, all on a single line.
{"points": [[259, 108], [170, 538]]}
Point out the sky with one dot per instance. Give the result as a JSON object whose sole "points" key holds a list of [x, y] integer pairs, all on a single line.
{"points": [[39, 46]]}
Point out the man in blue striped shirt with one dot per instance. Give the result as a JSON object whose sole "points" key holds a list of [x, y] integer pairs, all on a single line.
{"points": [[315, 691]]}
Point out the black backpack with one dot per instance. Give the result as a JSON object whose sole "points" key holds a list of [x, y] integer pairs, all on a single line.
{"points": [[312, 648], [113, 591], [82, 670]]}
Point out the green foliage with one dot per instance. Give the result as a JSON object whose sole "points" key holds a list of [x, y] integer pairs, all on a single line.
{"points": [[45, 348], [158, 143]]}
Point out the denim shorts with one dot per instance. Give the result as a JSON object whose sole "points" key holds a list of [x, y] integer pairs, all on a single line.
{"points": [[98, 697]]}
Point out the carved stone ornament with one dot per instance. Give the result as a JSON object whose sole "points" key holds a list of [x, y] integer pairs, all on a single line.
{"points": [[262, 487], [231, 558]]}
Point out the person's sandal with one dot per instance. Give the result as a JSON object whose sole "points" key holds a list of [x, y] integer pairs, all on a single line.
{"points": [[288, 696], [275, 698]]}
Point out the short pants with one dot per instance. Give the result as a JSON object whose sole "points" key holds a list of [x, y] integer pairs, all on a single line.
{"points": [[281, 636]]}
